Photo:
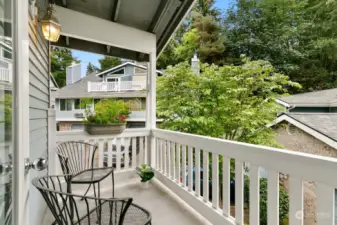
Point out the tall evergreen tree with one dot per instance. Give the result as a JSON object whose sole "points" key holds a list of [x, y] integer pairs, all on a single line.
{"points": [[61, 58], [203, 14], [108, 62], [91, 68]]}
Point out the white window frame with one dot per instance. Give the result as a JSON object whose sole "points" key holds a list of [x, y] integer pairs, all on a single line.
{"points": [[72, 105]]}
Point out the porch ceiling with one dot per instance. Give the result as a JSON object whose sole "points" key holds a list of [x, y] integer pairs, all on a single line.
{"points": [[159, 17]]}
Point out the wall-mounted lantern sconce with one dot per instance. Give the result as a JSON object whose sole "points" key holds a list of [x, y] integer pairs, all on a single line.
{"points": [[51, 27]]}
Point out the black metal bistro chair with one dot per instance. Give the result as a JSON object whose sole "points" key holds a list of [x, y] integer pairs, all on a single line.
{"points": [[77, 159], [67, 208]]}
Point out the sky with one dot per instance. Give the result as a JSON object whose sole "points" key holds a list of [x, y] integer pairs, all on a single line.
{"points": [[87, 57]]}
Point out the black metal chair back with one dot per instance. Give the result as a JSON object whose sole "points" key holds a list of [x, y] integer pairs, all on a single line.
{"points": [[76, 156], [69, 210]]}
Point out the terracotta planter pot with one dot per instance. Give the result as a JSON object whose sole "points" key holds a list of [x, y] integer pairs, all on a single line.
{"points": [[95, 129]]}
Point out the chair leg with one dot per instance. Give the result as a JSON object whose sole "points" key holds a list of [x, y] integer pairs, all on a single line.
{"points": [[86, 192], [113, 184]]}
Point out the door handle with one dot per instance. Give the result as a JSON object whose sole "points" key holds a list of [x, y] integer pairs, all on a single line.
{"points": [[38, 164]]}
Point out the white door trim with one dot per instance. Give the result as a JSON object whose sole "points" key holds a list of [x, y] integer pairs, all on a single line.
{"points": [[20, 111]]}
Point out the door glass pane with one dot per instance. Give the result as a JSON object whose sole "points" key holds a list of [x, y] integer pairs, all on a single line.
{"points": [[6, 88]]}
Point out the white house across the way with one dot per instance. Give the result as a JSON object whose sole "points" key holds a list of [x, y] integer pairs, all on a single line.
{"points": [[126, 81]]}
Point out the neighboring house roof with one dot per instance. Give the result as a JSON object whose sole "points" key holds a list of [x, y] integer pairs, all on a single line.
{"points": [[323, 126], [111, 70], [79, 89], [324, 98]]}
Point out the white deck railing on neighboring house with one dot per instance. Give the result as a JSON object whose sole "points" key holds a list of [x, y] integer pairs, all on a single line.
{"points": [[5, 75], [187, 164], [116, 86]]}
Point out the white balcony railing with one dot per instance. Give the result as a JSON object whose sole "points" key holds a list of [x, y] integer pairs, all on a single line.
{"points": [[123, 151], [187, 164], [116, 86], [5, 75]]}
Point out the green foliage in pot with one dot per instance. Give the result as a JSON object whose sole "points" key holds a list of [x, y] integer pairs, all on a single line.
{"points": [[145, 172], [108, 112]]}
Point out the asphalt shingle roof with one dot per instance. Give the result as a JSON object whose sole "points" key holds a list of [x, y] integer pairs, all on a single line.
{"points": [[325, 123], [325, 98]]}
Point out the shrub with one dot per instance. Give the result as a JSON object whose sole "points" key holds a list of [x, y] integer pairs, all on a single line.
{"points": [[283, 200], [107, 112]]}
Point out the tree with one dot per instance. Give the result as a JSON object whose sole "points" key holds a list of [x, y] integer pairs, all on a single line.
{"points": [[207, 8], [91, 68], [108, 62], [232, 102], [298, 37], [203, 14], [61, 58], [204, 38]]}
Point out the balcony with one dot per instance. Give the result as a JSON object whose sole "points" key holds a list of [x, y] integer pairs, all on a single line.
{"points": [[122, 86], [186, 165]]}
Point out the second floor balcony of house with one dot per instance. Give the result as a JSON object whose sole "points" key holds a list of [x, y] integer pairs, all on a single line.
{"points": [[119, 86]]}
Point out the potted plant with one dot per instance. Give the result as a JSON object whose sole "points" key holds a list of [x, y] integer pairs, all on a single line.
{"points": [[146, 173], [109, 117]]}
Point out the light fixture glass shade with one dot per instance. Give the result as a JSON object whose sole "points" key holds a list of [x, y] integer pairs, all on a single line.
{"points": [[51, 27]]}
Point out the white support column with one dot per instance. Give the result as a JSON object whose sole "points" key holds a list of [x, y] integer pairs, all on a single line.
{"points": [[20, 131], [151, 104], [53, 164]]}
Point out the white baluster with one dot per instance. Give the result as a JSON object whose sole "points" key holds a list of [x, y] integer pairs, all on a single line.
{"points": [[109, 153], [197, 172], [295, 201], [118, 154], [178, 153], [126, 153], [141, 151], [190, 168], [168, 162], [254, 195], [273, 197], [239, 192], [173, 158], [215, 181], [100, 153], [205, 176], [183, 164], [134, 152], [226, 186]]}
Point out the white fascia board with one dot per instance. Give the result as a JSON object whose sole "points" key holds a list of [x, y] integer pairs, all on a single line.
{"points": [[306, 129], [85, 27], [123, 65], [282, 103]]}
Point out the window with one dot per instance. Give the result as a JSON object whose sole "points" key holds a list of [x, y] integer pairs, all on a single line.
{"points": [[137, 105], [66, 105], [121, 71], [112, 79], [7, 53], [77, 104], [138, 70]]}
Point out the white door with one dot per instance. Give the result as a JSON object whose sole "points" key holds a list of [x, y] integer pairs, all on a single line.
{"points": [[15, 194]]}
